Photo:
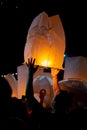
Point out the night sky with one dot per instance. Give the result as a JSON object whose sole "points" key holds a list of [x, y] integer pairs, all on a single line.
{"points": [[16, 17]]}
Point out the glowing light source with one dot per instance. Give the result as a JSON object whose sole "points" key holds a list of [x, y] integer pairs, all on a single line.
{"points": [[46, 63], [46, 41]]}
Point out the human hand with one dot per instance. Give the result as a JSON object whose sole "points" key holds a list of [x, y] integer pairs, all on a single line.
{"points": [[54, 72], [31, 65]]}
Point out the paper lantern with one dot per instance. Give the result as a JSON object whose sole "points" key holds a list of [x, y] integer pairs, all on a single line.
{"points": [[46, 41], [76, 68], [78, 89], [75, 79], [44, 82], [13, 83]]}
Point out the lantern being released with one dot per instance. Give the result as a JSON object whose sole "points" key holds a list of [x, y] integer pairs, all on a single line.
{"points": [[46, 41]]}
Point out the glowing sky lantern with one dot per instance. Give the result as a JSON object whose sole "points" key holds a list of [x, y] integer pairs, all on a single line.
{"points": [[46, 41]]}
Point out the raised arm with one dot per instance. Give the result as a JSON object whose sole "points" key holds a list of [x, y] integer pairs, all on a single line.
{"points": [[31, 70], [35, 105], [56, 87]]}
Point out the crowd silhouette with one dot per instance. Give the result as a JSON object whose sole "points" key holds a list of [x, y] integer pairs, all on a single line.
{"points": [[28, 114]]}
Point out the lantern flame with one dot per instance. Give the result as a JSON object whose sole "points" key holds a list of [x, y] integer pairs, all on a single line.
{"points": [[46, 63]]}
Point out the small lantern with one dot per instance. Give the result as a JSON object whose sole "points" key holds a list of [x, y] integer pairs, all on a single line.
{"points": [[46, 41], [13, 83]]}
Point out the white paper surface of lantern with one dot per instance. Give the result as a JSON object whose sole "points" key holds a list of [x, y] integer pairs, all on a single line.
{"points": [[76, 68], [13, 83], [78, 89], [44, 82], [46, 41], [22, 71]]}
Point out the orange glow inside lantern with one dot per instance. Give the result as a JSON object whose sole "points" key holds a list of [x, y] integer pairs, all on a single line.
{"points": [[46, 63], [46, 41]]}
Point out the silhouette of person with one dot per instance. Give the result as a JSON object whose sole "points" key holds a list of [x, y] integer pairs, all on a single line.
{"points": [[11, 106]]}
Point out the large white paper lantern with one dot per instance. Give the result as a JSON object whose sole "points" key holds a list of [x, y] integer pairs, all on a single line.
{"points": [[75, 79], [46, 41]]}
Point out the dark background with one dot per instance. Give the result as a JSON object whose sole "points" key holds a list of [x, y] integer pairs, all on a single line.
{"points": [[16, 17]]}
